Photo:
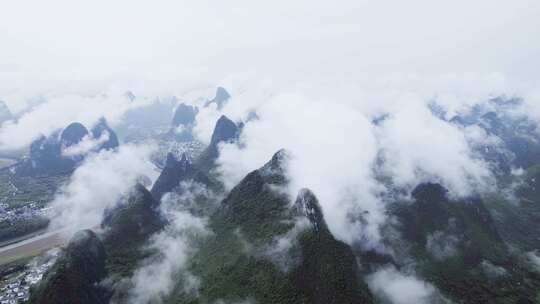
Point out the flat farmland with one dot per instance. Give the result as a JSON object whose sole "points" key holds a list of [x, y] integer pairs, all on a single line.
{"points": [[31, 247]]}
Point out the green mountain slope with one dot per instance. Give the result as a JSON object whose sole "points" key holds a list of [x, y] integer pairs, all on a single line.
{"points": [[237, 263]]}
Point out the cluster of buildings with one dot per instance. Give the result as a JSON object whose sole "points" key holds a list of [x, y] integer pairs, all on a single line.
{"points": [[14, 293], [26, 212], [17, 289], [190, 148]]}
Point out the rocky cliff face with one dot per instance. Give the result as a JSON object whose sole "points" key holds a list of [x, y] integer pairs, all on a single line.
{"points": [[307, 205]]}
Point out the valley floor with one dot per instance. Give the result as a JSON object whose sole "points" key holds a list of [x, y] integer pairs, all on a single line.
{"points": [[31, 246]]}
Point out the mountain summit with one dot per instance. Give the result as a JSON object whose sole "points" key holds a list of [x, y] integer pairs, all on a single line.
{"points": [[225, 131], [183, 121], [75, 276], [221, 98], [184, 115], [5, 113], [248, 223], [73, 134], [49, 155], [175, 172]]}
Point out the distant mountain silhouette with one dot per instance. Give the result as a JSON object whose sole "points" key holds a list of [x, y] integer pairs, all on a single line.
{"points": [[102, 129], [5, 113], [221, 98], [47, 153]]}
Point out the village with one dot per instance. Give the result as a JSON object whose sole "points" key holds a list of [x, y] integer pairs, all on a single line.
{"points": [[16, 289], [29, 211]]}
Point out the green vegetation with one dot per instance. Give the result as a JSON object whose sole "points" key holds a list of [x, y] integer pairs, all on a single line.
{"points": [[22, 256], [10, 230], [74, 277], [129, 225], [229, 272], [19, 191], [462, 276], [14, 266], [234, 263], [252, 215]]}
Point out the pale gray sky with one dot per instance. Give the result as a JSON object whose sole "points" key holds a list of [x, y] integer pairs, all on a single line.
{"points": [[75, 45]]}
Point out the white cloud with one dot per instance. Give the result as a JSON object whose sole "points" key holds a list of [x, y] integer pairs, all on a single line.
{"points": [[336, 149], [417, 146], [316, 73], [160, 274], [144, 46], [87, 144], [333, 150], [532, 103], [59, 111], [397, 288], [534, 259], [98, 184], [442, 245], [493, 272], [205, 122], [279, 249]]}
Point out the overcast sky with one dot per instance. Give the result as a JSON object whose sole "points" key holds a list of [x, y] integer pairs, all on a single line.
{"points": [[316, 72], [164, 45], [317, 67]]}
